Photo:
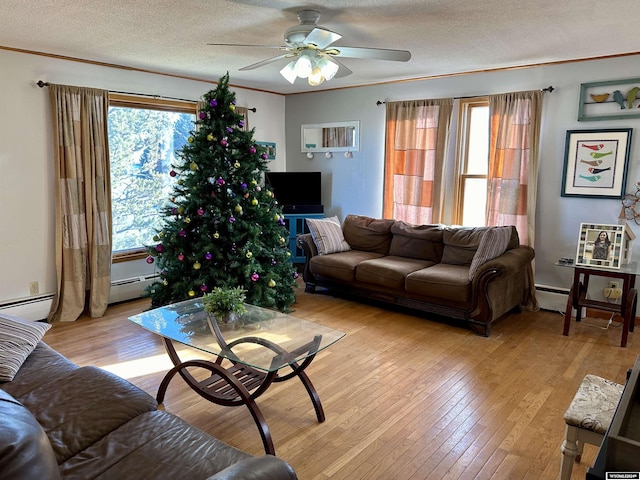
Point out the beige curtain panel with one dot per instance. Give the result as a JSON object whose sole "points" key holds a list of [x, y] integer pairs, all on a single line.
{"points": [[513, 161], [416, 139], [514, 140], [83, 202]]}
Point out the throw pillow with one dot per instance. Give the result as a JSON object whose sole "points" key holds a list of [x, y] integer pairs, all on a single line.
{"points": [[494, 243], [18, 338], [327, 235]]}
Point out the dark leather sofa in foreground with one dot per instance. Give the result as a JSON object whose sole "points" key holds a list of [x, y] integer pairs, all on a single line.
{"points": [[58, 420], [473, 274]]}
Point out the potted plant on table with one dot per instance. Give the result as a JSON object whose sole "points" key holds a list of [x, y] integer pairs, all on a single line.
{"points": [[225, 304]]}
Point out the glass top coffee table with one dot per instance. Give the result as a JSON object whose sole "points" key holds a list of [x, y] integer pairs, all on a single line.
{"points": [[257, 345]]}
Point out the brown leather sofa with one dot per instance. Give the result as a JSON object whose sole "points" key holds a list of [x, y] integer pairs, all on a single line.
{"points": [[58, 420], [448, 271]]}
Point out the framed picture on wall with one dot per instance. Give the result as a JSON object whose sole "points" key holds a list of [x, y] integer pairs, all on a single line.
{"points": [[595, 163], [600, 245], [271, 149]]}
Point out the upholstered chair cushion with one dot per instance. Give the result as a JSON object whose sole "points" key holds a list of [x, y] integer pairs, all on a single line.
{"points": [[594, 404]]}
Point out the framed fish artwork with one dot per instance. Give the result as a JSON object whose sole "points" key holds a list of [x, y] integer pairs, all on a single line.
{"points": [[595, 163]]}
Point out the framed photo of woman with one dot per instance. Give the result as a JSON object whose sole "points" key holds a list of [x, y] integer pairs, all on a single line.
{"points": [[600, 245]]}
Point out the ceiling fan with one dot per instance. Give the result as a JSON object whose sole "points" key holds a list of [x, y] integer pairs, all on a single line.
{"points": [[312, 56]]}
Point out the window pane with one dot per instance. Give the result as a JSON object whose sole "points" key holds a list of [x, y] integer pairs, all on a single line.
{"points": [[142, 146], [478, 155], [475, 202]]}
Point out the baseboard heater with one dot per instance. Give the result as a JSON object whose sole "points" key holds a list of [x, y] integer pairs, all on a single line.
{"points": [[37, 307], [552, 298]]}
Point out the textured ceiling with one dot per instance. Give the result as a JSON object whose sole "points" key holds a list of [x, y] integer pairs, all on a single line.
{"points": [[443, 36]]}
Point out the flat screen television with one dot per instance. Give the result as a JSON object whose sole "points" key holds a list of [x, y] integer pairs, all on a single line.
{"points": [[297, 192]]}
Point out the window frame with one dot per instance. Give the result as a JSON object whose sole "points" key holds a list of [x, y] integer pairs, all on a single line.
{"points": [[462, 155], [146, 103]]}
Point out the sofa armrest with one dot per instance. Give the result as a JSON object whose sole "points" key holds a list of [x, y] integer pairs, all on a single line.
{"points": [[308, 246], [511, 261], [266, 467]]}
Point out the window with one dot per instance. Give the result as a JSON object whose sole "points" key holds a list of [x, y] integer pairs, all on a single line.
{"points": [[472, 163], [144, 136]]}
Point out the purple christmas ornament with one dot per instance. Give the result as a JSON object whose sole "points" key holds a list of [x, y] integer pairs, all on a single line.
{"points": [[159, 248], [241, 124], [208, 256], [232, 219], [223, 142], [203, 288], [229, 129], [213, 102], [203, 115], [200, 211], [243, 185], [182, 233], [255, 277], [181, 257], [264, 156], [252, 149], [173, 173], [220, 181], [150, 259], [174, 211]]}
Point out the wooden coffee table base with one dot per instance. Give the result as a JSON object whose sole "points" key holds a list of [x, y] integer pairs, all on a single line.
{"points": [[238, 384]]}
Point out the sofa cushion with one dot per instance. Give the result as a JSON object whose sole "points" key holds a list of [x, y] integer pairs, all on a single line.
{"points": [[441, 281], [341, 266], [327, 235], [389, 271], [25, 451], [368, 234], [460, 244], [18, 338], [423, 242], [83, 406], [152, 445], [493, 244]]}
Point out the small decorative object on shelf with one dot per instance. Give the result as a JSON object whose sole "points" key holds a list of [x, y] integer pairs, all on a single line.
{"points": [[631, 206], [225, 304]]}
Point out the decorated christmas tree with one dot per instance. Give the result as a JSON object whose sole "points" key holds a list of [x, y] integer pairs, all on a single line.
{"points": [[222, 228]]}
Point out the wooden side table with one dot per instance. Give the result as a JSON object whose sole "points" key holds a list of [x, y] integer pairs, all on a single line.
{"points": [[578, 296]]}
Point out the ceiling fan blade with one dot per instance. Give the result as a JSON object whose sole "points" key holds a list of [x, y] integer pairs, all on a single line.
{"points": [[267, 61], [280, 47], [343, 71], [370, 53], [321, 37]]}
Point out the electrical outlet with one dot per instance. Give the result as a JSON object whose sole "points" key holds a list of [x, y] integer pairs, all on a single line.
{"points": [[612, 293], [614, 284], [34, 288]]}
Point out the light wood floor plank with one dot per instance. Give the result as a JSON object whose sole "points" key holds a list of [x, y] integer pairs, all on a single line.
{"points": [[405, 396]]}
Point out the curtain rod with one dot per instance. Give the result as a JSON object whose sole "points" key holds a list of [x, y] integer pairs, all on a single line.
{"points": [[549, 89], [42, 84]]}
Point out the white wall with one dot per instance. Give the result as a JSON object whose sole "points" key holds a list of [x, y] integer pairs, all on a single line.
{"points": [[26, 155], [355, 185]]}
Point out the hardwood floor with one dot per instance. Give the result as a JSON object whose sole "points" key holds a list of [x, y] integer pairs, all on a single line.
{"points": [[405, 397]]}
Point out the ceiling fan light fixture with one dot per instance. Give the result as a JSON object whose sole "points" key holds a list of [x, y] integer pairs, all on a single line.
{"points": [[289, 72], [329, 67], [316, 77], [303, 66]]}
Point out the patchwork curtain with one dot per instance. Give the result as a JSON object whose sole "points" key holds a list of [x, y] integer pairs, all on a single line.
{"points": [[513, 166], [82, 200], [416, 139]]}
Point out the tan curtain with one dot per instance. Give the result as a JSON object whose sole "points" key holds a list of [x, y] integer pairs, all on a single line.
{"points": [[416, 139], [513, 161], [83, 202], [514, 139]]}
